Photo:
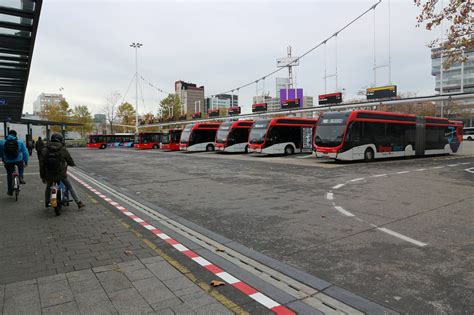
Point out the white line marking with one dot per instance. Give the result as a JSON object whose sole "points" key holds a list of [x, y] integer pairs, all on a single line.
{"points": [[379, 175], [465, 163], [227, 277], [121, 208], [149, 227], [470, 170], [180, 247], [304, 157], [403, 172], [201, 261], [403, 237], [163, 236], [451, 165], [437, 167], [420, 170], [263, 299], [343, 211], [138, 220], [338, 186], [357, 179], [128, 213], [330, 196]]}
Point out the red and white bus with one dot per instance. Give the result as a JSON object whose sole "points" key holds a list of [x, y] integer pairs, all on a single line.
{"points": [[233, 136], [282, 135], [148, 140], [104, 141], [367, 135], [170, 139], [199, 137]]}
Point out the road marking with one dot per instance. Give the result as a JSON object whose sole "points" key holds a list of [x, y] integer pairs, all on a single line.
{"points": [[304, 157], [379, 175], [402, 172], [465, 163], [338, 186], [437, 167], [470, 170], [403, 237], [227, 277], [264, 300], [451, 165], [344, 211], [420, 170], [330, 196], [357, 179]]}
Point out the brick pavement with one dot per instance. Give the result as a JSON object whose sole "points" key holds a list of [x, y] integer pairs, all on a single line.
{"points": [[84, 262]]}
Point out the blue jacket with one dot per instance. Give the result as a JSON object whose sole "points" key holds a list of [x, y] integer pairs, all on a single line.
{"points": [[22, 151]]}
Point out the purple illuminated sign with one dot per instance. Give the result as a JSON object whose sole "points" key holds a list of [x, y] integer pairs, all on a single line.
{"points": [[294, 98]]}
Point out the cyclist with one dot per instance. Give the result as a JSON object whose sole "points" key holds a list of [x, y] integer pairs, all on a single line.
{"points": [[13, 152], [54, 160]]}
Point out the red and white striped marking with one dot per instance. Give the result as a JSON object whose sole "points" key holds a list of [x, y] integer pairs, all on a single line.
{"points": [[227, 277]]}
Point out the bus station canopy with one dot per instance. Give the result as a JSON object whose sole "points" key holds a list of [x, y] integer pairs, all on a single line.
{"points": [[37, 122], [18, 25]]}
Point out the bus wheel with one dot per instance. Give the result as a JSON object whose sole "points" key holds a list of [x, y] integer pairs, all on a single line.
{"points": [[102, 146], [246, 149], [210, 147], [469, 139], [369, 155], [289, 150], [155, 146]]}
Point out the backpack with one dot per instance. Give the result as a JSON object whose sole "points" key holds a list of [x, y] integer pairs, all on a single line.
{"points": [[11, 149], [53, 161]]}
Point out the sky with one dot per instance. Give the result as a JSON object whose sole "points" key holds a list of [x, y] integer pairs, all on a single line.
{"points": [[82, 47]]}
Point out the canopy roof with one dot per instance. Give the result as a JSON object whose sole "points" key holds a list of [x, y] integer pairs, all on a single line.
{"points": [[18, 25]]}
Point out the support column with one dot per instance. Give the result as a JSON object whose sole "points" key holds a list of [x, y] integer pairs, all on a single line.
{"points": [[5, 133], [48, 133], [63, 131]]}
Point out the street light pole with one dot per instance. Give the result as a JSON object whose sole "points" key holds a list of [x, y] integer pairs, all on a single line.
{"points": [[136, 46]]}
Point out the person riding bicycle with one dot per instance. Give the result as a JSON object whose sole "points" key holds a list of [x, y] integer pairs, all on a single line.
{"points": [[54, 160], [13, 153]]}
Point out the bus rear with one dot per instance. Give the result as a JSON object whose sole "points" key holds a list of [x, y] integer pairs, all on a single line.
{"points": [[97, 141], [170, 139], [199, 137], [148, 140], [283, 135], [233, 136]]}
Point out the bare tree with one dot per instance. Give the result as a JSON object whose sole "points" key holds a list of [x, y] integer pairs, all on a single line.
{"points": [[110, 109]]}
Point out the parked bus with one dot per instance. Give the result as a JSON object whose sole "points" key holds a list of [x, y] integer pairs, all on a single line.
{"points": [[468, 133], [148, 140], [233, 136], [282, 135], [170, 139], [199, 137], [104, 141], [367, 135]]}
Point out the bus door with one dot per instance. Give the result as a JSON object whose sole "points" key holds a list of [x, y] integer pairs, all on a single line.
{"points": [[420, 136], [307, 139]]}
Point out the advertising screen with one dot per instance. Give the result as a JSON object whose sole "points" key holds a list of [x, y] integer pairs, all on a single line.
{"points": [[381, 92], [291, 98], [332, 98]]}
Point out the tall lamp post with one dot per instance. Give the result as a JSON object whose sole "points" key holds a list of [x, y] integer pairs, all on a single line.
{"points": [[136, 46]]}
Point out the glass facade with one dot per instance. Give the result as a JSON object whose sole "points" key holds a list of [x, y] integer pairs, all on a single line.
{"points": [[455, 76]]}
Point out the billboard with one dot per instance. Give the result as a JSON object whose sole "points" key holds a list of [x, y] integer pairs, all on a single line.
{"points": [[259, 107], [332, 98], [288, 61], [233, 110], [213, 112], [291, 98], [381, 92], [197, 115]]}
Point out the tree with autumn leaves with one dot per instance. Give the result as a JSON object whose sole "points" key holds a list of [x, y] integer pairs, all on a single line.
{"points": [[62, 112]]}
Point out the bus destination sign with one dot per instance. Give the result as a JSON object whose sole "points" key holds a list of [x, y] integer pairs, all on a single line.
{"points": [[259, 107], [291, 103], [234, 110], [388, 91], [332, 98]]}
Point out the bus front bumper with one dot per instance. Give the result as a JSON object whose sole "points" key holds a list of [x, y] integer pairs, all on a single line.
{"points": [[327, 155]]}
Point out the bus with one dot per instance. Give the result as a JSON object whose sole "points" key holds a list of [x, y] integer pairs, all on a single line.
{"points": [[368, 135], [282, 135], [170, 139], [148, 140], [104, 141], [468, 133], [233, 136], [199, 137]]}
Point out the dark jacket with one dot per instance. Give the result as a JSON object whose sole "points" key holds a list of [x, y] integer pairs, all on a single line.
{"points": [[65, 158], [39, 146]]}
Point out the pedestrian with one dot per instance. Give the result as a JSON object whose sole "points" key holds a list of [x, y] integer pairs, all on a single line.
{"points": [[29, 146], [13, 153], [54, 160], [39, 146]]}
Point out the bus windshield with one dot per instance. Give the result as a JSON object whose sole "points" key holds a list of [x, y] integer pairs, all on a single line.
{"points": [[186, 133], [330, 129], [258, 131], [223, 132]]}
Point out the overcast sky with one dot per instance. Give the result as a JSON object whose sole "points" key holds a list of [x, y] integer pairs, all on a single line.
{"points": [[83, 47]]}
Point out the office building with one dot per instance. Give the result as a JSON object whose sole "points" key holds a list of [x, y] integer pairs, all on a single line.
{"points": [[459, 77], [190, 94], [46, 99], [221, 101]]}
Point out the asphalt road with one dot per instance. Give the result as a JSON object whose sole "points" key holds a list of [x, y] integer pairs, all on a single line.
{"points": [[398, 232]]}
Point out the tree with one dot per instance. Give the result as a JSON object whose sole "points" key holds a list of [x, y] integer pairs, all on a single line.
{"points": [[459, 31], [147, 119], [81, 115], [424, 108], [110, 109], [56, 112], [126, 114], [170, 105]]}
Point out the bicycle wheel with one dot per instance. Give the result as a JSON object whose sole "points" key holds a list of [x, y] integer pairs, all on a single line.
{"points": [[16, 187], [16, 194], [57, 209]]}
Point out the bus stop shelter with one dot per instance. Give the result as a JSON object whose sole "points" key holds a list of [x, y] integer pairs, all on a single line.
{"points": [[35, 122]]}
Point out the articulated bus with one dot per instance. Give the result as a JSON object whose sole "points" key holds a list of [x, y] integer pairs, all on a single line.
{"points": [[148, 140], [283, 135], [367, 135], [170, 139], [233, 136], [104, 141], [199, 137]]}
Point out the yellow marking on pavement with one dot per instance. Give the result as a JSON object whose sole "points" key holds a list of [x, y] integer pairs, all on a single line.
{"points": [[186, 272], [92, 199]]}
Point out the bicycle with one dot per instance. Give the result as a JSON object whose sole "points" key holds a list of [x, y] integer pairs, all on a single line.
{"points": [[59, 197], [16, 182]]}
